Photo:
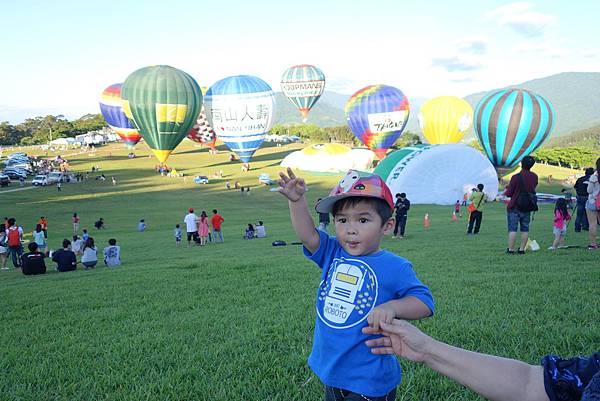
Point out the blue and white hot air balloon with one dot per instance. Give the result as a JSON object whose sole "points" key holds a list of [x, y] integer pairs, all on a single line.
{"points": [[240, 109], [510, 124]]}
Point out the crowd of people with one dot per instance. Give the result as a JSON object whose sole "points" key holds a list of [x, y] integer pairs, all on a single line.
{"points": [[197, 228]]}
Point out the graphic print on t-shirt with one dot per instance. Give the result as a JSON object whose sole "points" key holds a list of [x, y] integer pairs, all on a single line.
{"points": [[348, 294]]}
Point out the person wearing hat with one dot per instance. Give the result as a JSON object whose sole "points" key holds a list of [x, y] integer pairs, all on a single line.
{"points": [[191, 226], [361, 286]]}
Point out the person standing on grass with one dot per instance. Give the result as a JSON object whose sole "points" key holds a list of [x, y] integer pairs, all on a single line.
{"points": [[523, 182], [44, 223], [89, 259], [581, 185], [361, 284], [14, 236], [191, 226], [478, 199], [75, 224], [3, 247], [561, 216], [65, 258], [401, 207], [177, 234], [203, 228], [323, 220], [492, 377], [592, 206], [38, 237], [216, 221]]}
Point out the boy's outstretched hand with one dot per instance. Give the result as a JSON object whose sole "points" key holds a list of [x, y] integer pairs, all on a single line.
{"points": [[400, 338], [290, 186]]}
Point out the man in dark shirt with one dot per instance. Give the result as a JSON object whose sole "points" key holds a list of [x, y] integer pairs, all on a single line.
{"points": [[65, 258], [401, 207], [581, 221], [33, 261], [323, 220], [519, 218]]}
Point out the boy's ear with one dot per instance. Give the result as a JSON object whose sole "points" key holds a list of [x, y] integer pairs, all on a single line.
{"points": [[388, 227]]}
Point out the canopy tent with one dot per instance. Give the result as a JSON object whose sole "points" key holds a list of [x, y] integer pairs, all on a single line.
{"points": [[438, 174], [329, 158]]}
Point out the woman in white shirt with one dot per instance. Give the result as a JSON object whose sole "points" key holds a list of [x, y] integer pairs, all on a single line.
{"points": [[89, 258], [591, 208]]}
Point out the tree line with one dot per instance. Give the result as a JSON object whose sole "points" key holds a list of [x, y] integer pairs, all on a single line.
{"points": [[39, 130]]}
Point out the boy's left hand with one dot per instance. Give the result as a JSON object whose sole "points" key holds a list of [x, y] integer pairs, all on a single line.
{"points": [[383, 313]]}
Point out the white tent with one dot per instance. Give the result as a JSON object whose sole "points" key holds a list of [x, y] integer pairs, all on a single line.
{"points": [[329, 158], [62, 142]]}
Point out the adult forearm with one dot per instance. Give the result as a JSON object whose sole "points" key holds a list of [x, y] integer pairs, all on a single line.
{"points": [[492, 377], [304, 224]]}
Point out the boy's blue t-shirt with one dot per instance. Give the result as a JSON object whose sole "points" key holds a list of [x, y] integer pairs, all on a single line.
{"points": [[351, 286]]}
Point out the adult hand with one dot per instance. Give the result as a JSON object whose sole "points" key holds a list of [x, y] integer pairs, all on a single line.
{"points": [[400, 338], [290, 186], [383, 313]]}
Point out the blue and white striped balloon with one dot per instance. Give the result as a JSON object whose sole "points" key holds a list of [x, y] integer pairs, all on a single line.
{"points": [[512, 123], [240, 109]]}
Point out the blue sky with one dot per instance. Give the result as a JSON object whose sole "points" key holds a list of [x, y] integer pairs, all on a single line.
{"points": [[57, 56]]}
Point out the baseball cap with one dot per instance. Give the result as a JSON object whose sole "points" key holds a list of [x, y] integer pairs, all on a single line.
{"points": [[191, 210], [357, 183]]}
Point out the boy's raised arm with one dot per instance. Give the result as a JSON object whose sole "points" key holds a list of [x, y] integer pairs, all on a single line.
{"points": [[293, 188]]}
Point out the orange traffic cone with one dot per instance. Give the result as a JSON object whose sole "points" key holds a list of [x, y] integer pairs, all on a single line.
{"points": [[426, 221], [454, 218]]}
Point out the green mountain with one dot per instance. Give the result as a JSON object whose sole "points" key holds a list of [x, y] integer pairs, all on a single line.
{"points": [[589, 137], [574, 96]]}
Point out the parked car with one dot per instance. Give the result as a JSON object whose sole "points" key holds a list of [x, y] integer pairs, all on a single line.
{"points": [[40, 180], [55, 177], [4, 180], [15, 174], [201, 179]]}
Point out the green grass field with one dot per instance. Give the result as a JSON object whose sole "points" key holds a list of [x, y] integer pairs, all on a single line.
{"points": [[234, 321]]}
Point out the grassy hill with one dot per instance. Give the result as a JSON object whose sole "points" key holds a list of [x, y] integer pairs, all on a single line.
{"points": [[589, 137], [235, 320]]}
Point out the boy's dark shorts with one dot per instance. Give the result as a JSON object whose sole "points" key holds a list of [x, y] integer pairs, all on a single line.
{"points": [[566, 379], [193, 235]]}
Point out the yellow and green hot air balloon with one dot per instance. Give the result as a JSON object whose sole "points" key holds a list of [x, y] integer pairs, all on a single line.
{"points": [[164, 103], [445, 119]]}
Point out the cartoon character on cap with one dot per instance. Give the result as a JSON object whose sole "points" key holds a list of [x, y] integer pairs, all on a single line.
{"points": [[357, 183]]}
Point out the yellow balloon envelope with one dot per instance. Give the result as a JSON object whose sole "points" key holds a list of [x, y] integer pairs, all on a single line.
{"points": [[445, 119]]}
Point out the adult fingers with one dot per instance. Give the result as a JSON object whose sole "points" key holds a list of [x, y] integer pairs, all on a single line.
{"points": [[379, 342], [382, 350], [291, 173]]}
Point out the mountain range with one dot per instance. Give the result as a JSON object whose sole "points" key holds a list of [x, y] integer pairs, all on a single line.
{"points": [[574, 96]]}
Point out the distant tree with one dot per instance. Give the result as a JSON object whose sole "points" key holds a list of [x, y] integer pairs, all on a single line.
{"points": [[88, 122], [43, 129], [9, 134], [408, 138]]}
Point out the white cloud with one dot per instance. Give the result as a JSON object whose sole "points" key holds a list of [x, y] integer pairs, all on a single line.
{"points": [[541, 48], [522, 18], [455, 63], [472, 45]]}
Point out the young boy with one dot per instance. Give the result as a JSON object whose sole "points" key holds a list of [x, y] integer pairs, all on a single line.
{"points": [[112, 254], [142, 225], [77, 245], [361, 284], [177, 234]]}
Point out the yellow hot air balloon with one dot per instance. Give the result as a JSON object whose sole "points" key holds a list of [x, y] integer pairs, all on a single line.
{"points": [[445, 119]]}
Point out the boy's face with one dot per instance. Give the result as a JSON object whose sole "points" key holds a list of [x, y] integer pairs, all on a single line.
{"points": [[359, 229]]}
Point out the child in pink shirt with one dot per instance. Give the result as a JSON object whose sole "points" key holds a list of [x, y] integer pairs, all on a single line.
{"points": [[561, 216]]}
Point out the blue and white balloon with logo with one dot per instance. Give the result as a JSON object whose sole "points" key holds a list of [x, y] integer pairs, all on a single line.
{"points": [[240, 109]]}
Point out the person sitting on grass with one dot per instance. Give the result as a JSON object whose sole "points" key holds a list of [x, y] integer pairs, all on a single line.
{"points": [[33, 261], [77, 245], [112, 254], [249, 232], [65, 258], [261, 232], [142, 225], [361, 284], [89, 259], [99, 224], [492, 377]]}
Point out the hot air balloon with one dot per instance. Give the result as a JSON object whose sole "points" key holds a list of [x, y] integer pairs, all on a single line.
{"points": [[510, 124], [240, 110], [445, 119], [202, 132], [164, 104], [377, 116], [437, 174], [112, 110], [303, 85]]}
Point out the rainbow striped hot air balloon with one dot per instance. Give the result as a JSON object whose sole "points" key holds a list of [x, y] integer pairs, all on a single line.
{"points": [[240, 110], [164, 103], [111, 108], [303, 85], [377, 116], [510, 124]]}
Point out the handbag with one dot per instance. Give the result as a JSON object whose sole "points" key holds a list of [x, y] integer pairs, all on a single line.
{"points": [[526, 201]]}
